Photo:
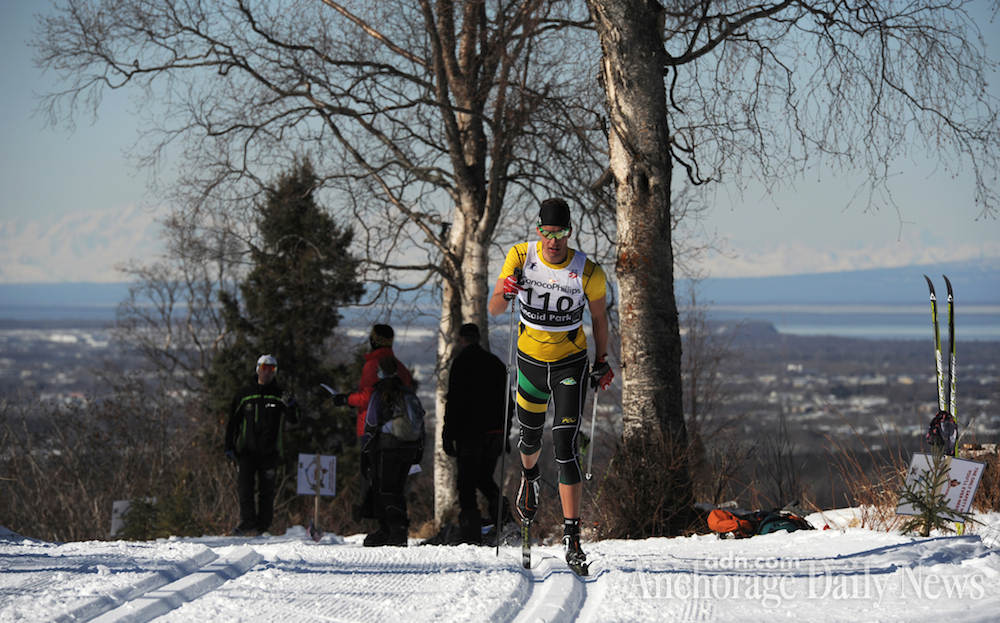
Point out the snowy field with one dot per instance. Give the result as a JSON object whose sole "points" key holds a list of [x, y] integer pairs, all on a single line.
{"points": [[837, 574]]}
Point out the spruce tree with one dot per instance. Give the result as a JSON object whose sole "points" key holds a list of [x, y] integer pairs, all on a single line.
{"points": [[302, 274], [924, 495]]}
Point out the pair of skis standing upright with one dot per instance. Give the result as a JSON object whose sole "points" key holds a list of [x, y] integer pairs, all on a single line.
{"points": [[944, 427]]}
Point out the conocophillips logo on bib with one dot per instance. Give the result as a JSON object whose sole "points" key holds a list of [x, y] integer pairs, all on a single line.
{"points": [[545, 285]]}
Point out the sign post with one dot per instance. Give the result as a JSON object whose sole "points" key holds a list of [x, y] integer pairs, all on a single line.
{"points": [[317, 476], [957, 490]]}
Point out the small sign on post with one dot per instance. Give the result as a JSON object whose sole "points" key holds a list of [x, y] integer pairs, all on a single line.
{"points": [[957, 490], [317, 475]]}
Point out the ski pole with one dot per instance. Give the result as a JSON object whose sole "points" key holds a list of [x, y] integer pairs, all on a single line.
{"points": [[590, 450], [506, 411]]}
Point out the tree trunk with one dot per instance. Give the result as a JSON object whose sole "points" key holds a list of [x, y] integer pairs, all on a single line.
{"points": [[640, 160], [445, 491], [460, 304]]}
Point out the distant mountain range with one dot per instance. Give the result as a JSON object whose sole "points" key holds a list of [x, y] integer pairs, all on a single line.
{"points": [[974, 283], [79, 247]]}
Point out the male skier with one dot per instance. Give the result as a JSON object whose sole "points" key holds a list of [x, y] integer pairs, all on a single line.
{"points": [[554, 284]]}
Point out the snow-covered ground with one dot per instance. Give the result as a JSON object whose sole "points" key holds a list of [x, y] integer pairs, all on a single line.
{"points": [[838, 574]]}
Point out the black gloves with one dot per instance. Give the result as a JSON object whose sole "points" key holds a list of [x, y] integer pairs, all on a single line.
{"points": [[288, 399], [340, 400], [449, 447], [601, 374]]}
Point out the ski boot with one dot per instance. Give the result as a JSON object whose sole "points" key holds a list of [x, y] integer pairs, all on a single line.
{"points": [[527, 494], [575, 558]]}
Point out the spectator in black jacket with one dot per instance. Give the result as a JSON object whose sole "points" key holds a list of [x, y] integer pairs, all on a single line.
{"points": [[254, 443], [473, 430]]}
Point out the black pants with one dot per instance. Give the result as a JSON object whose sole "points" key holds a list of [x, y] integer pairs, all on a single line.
{"points": [[389, 470], [262, 472], [476, 461], [562, 382]]}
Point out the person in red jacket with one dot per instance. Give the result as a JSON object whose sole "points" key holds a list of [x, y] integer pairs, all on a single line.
{"points": [[381, 344]]}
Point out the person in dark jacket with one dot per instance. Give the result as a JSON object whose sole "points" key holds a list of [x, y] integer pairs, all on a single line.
{"points": [[473, 430], [389, 457], [254, 443]]}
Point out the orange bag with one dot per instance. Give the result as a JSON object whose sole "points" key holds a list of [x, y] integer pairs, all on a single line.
{"points": [[725, 522]]}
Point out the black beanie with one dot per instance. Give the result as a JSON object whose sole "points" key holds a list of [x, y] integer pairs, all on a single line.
{"points": [[381, 336], [554, 212]]}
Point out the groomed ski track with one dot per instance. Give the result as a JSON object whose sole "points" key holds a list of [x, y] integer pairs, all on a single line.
{"points": [[343, 580], [827, 576]]}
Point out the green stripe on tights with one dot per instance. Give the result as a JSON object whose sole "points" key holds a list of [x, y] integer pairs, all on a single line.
{"points": [[525, 385]]}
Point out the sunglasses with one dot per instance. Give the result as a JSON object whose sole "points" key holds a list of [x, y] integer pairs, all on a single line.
{"points": [[268, 366], [553, 235]]}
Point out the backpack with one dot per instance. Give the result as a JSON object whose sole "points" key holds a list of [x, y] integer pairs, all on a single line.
{"points": [[780, 521], [406, 418], [725, 522]]}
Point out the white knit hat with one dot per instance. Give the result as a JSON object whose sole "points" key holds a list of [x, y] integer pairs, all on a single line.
{"points": [[268, 360]]}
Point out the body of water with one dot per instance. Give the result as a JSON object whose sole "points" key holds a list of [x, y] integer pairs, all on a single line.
{"points": [[875, 322]]}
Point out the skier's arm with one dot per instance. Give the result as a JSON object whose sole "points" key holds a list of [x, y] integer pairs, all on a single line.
{"points": [[514, 261], [599, 319], [498, 304], [596, 289]]}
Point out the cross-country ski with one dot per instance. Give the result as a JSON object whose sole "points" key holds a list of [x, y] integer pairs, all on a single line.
{"points": [[526, 543], [943, 429]]}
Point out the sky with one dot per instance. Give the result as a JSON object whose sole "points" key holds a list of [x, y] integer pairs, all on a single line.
{"points": [[837, 572], [48, 173]]}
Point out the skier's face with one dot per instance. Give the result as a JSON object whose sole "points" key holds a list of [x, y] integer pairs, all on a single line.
{"points": [[554, 250], [265, 373]]}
